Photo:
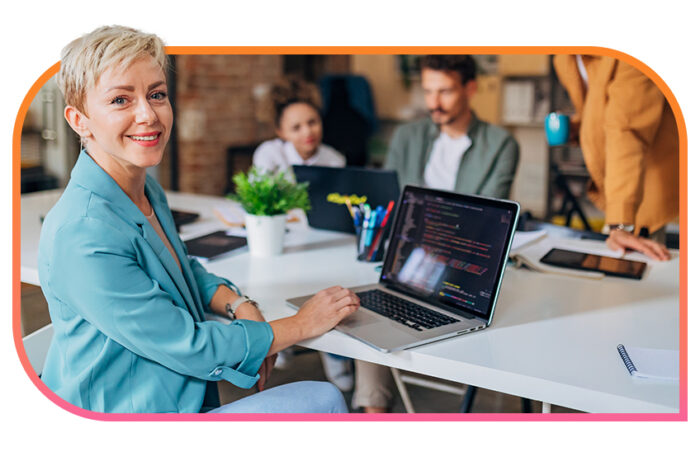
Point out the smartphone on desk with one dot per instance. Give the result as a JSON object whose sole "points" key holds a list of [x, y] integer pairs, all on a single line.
{"points": [[593, 262]]}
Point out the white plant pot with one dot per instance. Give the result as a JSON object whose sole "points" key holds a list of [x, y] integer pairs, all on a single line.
{"points": [[265, 234]]}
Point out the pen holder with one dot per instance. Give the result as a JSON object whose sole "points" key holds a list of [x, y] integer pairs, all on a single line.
{"points": [[372, 249]]}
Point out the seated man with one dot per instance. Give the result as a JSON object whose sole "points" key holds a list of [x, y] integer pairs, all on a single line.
{"points": [[452, 150]]}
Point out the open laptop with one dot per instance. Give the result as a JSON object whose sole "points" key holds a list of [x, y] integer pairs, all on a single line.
{"points": [[441, 274], [328, 187]]}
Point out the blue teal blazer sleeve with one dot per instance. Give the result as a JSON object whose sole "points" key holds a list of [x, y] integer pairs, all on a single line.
{"points": [[208, 283], [103, 282]]}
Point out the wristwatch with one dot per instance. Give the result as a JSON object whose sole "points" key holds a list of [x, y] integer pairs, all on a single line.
{"points": [[618, 226], [231, 307]]}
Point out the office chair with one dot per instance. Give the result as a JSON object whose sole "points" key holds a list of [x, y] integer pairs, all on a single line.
{"points": [[36, 345], [348, 116], [238, 158]]}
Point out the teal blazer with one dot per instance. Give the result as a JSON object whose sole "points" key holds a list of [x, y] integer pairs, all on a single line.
{"points": [[129, 328]]}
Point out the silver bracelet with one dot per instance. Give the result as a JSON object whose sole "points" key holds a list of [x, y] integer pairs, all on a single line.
{"points": [[231, 307]]}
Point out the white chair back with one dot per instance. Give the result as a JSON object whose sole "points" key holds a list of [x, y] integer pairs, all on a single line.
{"points": [[37, 345]]}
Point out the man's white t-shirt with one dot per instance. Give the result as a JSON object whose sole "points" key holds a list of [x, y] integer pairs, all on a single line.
{"points": [[277, 155], [445, 158]]}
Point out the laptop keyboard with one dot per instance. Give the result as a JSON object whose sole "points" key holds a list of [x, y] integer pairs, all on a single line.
{"points": [[412, 315]]}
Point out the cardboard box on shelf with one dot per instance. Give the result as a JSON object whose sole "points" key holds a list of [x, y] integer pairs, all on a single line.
{"points": [[486, 103], [524, 65]]}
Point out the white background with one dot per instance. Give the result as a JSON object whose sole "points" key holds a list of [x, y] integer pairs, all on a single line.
{"points": [[661, 34]]}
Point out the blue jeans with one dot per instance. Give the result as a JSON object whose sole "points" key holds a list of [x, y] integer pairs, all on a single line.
{"points": [[296, 397]]}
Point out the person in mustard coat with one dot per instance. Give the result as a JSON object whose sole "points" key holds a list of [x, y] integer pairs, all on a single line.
{"points": [[629, 139]]}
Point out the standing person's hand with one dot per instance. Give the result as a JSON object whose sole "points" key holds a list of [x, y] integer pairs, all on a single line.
{"points": [[621, 240]]}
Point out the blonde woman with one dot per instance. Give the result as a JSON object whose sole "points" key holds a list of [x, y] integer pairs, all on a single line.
{"points": [[126, 302]]}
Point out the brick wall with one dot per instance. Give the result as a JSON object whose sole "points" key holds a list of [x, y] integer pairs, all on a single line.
{"points": [[220, 103]]}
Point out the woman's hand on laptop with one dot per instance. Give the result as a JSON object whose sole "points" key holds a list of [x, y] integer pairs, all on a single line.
{"points": [[315, 317], [326, 308]]}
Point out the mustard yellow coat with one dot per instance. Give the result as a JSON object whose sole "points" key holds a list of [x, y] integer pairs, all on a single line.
{"points": [[629, 139]]}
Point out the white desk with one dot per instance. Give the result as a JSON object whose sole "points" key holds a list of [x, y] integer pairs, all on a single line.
{"points": [[553, 338]]}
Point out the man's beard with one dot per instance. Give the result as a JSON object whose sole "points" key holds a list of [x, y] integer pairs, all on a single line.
{"points": [[437, 113]]}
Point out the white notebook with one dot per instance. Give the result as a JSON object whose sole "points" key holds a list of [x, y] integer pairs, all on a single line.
{"points": [[650, 363]]}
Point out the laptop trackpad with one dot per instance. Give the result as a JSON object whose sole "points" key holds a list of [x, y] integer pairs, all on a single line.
{"points": [[358, 319]]}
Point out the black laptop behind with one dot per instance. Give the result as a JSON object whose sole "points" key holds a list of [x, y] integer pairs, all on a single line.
{"points": [[328, 187]]}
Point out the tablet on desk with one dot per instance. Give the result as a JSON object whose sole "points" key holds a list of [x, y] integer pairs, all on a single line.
{"points": [[214, 245], [593, 262]]}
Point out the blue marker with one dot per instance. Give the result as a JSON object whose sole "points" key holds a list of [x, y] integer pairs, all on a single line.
{"points": [[357, 218], [365, 226], [370, 226], [380, 216]]}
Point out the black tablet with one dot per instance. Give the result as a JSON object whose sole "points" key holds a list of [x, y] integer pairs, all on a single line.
{"points": [[593, 262]]}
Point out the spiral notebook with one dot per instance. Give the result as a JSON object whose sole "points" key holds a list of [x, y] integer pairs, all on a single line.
{"points": [[650, 363]]}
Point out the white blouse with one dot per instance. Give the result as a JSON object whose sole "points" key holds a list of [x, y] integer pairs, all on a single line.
{"points": [[277, 155]]}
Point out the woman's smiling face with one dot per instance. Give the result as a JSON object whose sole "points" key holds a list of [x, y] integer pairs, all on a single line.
{"points": [[128, 116], [300, 124]]}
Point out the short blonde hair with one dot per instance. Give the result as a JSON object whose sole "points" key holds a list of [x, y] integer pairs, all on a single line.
{"points": [[85, 59]]}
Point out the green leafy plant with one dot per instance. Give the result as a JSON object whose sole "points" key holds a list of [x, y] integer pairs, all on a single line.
{"points": [[262, 193]]}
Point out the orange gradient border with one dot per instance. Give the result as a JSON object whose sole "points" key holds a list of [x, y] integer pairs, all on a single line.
{"points": [[682, 415]]}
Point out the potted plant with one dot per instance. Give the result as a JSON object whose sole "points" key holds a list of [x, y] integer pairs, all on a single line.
{"points": [[266, 199]]}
